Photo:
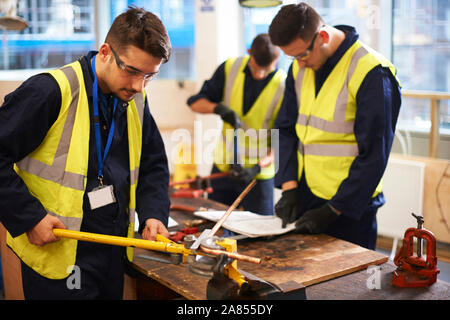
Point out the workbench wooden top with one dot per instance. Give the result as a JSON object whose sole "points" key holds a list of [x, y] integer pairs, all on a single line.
{"points": [[330, 268]]}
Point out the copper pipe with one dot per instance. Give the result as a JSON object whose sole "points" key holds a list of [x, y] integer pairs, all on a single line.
{"points": [[232, 255], [232, 207]]}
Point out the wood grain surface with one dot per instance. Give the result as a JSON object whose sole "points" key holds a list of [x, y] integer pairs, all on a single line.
{"points": [[305, 259]]}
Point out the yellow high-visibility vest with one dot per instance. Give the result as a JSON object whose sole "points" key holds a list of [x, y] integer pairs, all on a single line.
{"points": [[327, 144], [56, 173], [255, 136]]}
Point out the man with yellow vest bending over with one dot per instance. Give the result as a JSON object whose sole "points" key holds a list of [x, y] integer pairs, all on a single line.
{"points": [[246, 92], [337, 124], [80, 150]]}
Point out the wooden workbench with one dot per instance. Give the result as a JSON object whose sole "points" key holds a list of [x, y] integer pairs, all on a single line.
{"points": [[329, 268]]}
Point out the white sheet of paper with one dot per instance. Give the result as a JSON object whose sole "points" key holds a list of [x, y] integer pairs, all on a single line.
{"points": [[248, 223]]}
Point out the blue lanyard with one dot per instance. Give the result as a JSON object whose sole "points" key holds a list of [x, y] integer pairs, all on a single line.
{"points": [[98, 140]]}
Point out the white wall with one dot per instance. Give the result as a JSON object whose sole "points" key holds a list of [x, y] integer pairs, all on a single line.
{"points": [[167, 103], [218, 36]]}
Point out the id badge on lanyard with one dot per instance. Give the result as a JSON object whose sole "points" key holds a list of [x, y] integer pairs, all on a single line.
{"points": [[103, 194]]}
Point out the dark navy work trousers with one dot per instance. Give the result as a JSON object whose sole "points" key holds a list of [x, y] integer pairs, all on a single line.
{"points": [[100, 267], [100, 271]]}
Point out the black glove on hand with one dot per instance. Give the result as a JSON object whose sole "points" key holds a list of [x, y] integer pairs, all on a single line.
{"points": [[228, 115], [287, 207], [316, 220], [245, 176]]}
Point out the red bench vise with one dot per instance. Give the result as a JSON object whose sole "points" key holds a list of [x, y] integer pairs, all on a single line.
{"points": [[415, 270]]}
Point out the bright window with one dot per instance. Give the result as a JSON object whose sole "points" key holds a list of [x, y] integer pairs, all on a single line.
{"points": [[414, 34], [257, 20], [421, 50], [178, 16], [363, 15], [59, 32]]}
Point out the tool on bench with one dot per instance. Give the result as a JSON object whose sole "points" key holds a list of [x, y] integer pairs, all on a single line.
{"points": [[194, 223], [204, 265], [227, 281], [198, 186], [178, 236], [190, 226], [206, 255], [414, 270], [161, 244]]}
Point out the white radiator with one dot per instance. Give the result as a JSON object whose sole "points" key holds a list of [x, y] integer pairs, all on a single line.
{"points": [[403, 184]]}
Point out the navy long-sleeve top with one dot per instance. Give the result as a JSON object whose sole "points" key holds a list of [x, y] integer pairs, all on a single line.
{"points": [[378, 104], [25, 118], [213, 89]]}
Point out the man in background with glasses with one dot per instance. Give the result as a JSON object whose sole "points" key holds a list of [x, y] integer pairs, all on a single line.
{"points": [[246, 92], [80, 150], [337, 124]]}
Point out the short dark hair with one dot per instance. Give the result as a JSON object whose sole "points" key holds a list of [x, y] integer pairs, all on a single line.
{"points": [[263, 51], [141, 29], [294, 21]]}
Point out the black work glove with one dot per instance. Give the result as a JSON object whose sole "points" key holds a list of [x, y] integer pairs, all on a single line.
{"points": [[245, 176], [316, 220], [287, 207], [228, 115]]}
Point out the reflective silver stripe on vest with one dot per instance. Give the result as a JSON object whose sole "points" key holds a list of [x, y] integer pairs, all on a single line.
{"points": [[331, 150], [338, 125], [229, 88], [276, 98], [140, 105], [298, 85], [70, 222], [132, 215], [230, 79], [134, 174], [55, 172], [234, 70]]}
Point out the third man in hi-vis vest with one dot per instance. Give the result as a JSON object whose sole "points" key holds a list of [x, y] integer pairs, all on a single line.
{"points": [[79, 150], [337, 124], [246, 92]]}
